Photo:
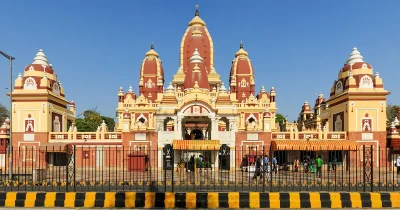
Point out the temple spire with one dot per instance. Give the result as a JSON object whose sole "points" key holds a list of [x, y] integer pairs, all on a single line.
{"points": [[241, 45], [197, 10], [152, 46]]}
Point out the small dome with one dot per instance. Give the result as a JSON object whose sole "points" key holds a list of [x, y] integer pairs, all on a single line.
{"points": [[196, 58], [41, 58], [152, 52], [241, 51], [222, 89], [40, 63], [197, 21], [196, 68], [355, 57]]}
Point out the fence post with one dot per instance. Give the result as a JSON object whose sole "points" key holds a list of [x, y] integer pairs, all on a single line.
{"points": [[264, 167], [368, 168]]}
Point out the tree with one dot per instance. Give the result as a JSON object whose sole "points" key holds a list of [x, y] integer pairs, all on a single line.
{"points": [[110, 122], [392, 111], [4, 113], [281, 120], [91, 120]]}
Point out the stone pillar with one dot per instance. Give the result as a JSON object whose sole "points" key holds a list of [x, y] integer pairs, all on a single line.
{"points": [[232, 158], [160, 124], [160, 157], [178, 133], [214, 127], [204, 132]]}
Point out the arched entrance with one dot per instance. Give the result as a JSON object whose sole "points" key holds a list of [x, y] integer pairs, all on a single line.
{"points": [[224, 157]]}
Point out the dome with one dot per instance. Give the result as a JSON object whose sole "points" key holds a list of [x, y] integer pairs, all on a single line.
{"points": [[241, 51], [355, 61], [41, 58], [152, 52], [196, 58], [40, 63], [197, 21]]}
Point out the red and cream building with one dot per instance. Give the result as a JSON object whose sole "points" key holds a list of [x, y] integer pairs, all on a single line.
{"points": [[197, 111]]}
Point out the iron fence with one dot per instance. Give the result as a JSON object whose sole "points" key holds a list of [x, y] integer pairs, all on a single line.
{"points": [[117, 169]]}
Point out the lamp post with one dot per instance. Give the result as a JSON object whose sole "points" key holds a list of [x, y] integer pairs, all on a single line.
{"points": [[11, 121]]}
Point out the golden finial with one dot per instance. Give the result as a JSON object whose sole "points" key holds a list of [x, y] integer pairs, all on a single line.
{"points": [[241, 45], [152, 46], [197, 10]]}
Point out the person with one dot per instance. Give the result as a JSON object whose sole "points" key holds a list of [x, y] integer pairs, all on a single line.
{"points": [[274, 165], [296, 165], [312, 165], [398, 165], [319, 166], [266, 162], [334, 160], [258, 167], [306, 165]]}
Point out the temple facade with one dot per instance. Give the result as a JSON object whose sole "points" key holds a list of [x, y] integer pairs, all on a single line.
{"points": [[197, 113]]}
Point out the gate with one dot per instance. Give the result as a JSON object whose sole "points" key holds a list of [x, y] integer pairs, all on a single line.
{"points": [[168, 168]]}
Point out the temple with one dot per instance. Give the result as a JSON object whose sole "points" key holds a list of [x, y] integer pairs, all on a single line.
{"points": [[196, 112]]}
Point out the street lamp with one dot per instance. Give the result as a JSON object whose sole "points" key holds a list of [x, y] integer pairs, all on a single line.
{"points": [[10, 144]]}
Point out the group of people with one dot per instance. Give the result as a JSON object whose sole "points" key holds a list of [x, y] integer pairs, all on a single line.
{"points": [[312, 165], [263, 166]]}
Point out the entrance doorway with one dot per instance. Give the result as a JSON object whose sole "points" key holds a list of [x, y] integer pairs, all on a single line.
{"points": [[57, 158], [196, 128], [224, 157]]}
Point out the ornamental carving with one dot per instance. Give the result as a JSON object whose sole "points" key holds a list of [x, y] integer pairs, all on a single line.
{"points": [[366, 82], [56, 89], [149, 84], [244, 83], [339, 87], [29, 124], [338, 123], [30, 84]]}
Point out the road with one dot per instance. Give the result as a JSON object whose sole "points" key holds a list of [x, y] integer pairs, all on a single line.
{"points": [[158, 209]]}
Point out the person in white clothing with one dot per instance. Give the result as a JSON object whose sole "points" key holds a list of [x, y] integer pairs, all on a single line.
{"points": [[398, 165]]}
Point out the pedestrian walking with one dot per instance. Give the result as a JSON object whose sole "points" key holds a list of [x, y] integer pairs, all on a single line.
{"points": [[319, 166], [398, 165], [274, 165], [334, 163], [296, 165]]}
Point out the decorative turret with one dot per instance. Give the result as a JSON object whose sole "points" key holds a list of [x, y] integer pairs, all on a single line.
{"points": [[39, 89], [151, 75], [242, 75]]}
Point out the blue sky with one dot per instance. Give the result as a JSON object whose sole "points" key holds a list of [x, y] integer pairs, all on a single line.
{"points": [[296, 46]]}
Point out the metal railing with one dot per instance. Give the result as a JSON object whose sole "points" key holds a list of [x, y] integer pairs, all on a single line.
{"points": [[116, 169]]}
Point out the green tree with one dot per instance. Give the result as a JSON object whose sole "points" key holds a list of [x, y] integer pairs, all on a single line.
{"points": [[281, 120], [110, 122], [91, 120], [392, 111], [4, 113]]}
